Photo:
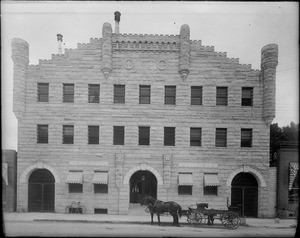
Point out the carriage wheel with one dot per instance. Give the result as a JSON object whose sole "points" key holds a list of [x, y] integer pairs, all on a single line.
{"points": [[194, 219], [231, 220]]}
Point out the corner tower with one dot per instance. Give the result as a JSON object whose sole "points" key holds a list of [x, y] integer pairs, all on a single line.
{"points": [[20, 57], [269, 62]]}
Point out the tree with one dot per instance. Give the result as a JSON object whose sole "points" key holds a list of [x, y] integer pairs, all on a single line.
{"points": [[278, 135]]}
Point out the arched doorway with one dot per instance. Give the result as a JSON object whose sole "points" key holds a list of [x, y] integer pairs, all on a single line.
{"points": [[244, 194], [41, 190], [142, 183]]}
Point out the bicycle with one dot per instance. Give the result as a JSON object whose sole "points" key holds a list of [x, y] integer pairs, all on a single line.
{"points": [[75, 207]]}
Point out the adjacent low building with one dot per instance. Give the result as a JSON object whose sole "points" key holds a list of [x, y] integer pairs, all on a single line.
{"points": [[9, 180], [127, 115]]}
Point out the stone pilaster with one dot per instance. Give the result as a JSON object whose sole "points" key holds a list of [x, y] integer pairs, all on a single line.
{"points": [[184, 51], [269, 62], [167, 162], [106, 49], [119, 170]]}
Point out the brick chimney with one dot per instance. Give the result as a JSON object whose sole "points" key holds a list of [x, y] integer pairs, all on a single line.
{"points": [[59, 41], [117, 22]]}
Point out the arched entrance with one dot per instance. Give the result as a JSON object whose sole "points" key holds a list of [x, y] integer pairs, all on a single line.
{"points": [[142, 183], [244, 194], [41, 190]]}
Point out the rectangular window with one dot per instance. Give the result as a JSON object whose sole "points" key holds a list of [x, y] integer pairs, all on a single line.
{"points": [[196, 95], [118, 135], [43, 92], [185, 190], [221, 137], [68, 134], [100, 210], [94, 92], [169, 136], [210, 190], [68, 92], [42, 134], [75, 188], [119, 93], [93, 134], [145, 92], [222, 96], [246, 137], [247, 96], [170, 95], [195, 136], [101, 188], [144, 135]]}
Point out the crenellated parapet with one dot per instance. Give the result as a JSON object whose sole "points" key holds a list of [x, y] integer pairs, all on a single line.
{"points": [[106, 49], [269, 62], [145, 43], [20, 57], [184, 51]]}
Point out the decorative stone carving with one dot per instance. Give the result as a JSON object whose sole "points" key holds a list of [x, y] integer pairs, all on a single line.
{"points": [[161, 64], [106, 49], [119, 170], [184, 51], [167, 162], [128, 64]]}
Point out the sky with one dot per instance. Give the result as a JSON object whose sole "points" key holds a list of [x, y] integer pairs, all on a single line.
{"points": [[241, 29]]}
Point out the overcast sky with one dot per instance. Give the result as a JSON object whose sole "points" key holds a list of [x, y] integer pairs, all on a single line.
{"points": [[239, 29]]}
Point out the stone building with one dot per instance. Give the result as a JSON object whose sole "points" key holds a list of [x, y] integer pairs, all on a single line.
{"points": [[132, 114]]}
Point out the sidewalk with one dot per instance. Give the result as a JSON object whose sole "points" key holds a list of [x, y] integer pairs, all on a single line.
{"points": [[137, 219]]}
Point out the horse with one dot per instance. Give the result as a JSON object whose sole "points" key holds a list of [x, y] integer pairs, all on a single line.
{"points": [[159, 207]]}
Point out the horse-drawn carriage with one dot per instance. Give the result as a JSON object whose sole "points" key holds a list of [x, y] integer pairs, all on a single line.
{"points": [[201, 215], [195, 215]]}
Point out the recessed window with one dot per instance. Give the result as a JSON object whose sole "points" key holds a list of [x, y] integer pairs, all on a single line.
{"points": [[119, 93], [221, 137], [43, 92], [100, 210], [101, 188], [185, 190], [144, 135], [196, 95], [185, 183], [118, 135], [169, 136], [68, 92], [247, 96], [222, 96], [42, 134], [93, 136], [75, 188], [195, 136], [170, 95], [211, 183], [210, 190], [68, 134], [145, 92], [94, 92], [246, 137]]}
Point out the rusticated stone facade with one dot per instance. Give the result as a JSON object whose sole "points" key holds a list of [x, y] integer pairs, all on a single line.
{"points": [[133, 60]]}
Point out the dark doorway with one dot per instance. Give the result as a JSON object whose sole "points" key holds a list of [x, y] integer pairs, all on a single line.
{"points": [[41, 190], [244, 194], [142, 183]]}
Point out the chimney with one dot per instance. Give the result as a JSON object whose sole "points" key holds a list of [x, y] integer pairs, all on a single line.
{"points": [[59, 41], [117, 21]]}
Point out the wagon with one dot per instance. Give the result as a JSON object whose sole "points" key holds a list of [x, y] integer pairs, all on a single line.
{"points": [[199, 214]]}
